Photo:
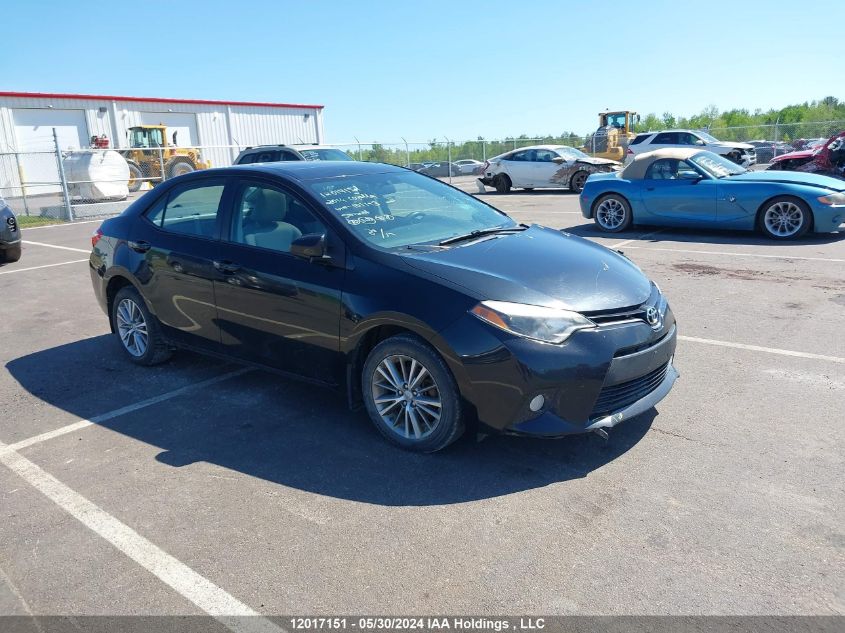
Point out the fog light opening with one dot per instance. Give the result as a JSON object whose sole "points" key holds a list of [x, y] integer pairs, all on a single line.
{"points": [[536, 403]]}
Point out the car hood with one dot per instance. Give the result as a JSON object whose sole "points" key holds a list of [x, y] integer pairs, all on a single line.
{"points": [[540, 266], [804, 153], [592, 160], [789, 177]]}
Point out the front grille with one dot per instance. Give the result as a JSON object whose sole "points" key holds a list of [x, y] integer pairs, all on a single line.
{"points": [[620, 396]]}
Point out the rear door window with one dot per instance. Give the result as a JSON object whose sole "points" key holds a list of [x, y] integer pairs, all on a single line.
{"points": [[666, 138], [190, 209], [524, 155]]}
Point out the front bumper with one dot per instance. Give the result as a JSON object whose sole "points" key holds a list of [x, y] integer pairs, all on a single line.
{"points": [[827, 219], [596, 379], [550, 425]]}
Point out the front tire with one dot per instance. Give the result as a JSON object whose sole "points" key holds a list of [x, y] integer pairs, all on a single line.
{"points": [[502, 184], [10, 255], [136, 329], [785, 218], [578, 180], [612, 213], [411, 396]]}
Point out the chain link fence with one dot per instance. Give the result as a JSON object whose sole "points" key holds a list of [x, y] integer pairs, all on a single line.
{"points": [[98, 182], [77, 184]]}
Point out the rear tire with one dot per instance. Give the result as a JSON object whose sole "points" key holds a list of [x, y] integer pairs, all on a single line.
{"points": [[135, 177], [10, 255], [502, 183], [137, 330], [579, 178], [411, 396], [612, 213], [785, 218]]}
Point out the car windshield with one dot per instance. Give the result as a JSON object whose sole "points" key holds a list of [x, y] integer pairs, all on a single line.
{"points": [[707, 137], [324, 154], [392, 210], [717, 166], [570, 152]]}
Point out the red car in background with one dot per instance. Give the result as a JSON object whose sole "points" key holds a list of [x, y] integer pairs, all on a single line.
{"points": [[827, 159]]}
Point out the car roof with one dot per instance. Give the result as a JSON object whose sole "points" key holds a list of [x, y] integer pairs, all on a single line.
{"points": [[306, 170], [557, 146], [635, 170], [310, 146]]}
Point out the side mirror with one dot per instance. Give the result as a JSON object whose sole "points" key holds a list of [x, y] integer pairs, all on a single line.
{"points": [[558, 160], [698, 141], [689, 174], [310, 247]]}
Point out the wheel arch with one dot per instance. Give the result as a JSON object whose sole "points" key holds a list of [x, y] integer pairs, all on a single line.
{"points": [[115, 284], [603, 195], [367, 336]]}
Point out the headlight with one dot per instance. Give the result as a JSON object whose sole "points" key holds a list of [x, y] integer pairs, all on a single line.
{"points": [[833, 199], [551, 325]]}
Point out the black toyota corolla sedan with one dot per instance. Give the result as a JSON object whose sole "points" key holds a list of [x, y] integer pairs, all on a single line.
{"points": [[421, 302]]}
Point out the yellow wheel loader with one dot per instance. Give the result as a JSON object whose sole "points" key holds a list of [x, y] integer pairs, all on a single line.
{"points": [[150, 153], [616, 131]]}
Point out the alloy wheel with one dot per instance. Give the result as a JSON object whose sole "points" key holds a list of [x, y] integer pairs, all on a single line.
{"points": [[132, 327], [407, 397], [783, 219], [610, 214]]}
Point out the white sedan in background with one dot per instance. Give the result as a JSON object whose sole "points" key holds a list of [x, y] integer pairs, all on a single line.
{"points": [[469, 166], [543, 167]]}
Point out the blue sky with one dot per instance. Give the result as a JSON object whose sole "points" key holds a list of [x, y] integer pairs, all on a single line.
{"points": [[420, 70]]}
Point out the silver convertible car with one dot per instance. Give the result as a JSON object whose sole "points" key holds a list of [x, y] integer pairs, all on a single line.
{"points": [[695, 188]]}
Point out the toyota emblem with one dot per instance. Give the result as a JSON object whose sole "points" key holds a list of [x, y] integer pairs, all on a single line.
{"points": [[653, 317]]}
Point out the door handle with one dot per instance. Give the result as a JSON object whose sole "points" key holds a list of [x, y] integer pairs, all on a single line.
{"points": [[140, 247], [226, 266]]}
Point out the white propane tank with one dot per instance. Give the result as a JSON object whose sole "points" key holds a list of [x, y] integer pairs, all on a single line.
{"points": [[97, 176]]}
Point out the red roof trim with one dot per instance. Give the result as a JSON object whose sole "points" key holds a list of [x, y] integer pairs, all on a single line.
{"points": [[50, 95]]}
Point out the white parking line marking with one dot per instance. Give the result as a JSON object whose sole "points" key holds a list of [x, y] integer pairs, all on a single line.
{"points": [[689, 250], [22, 270], [636, 239], [81, 424], [758, 348], [202, 592], [64, 248], [52, 226]]}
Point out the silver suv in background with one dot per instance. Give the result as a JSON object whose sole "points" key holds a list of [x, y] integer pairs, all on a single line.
{"points": [[277, 153], [740, 153]]}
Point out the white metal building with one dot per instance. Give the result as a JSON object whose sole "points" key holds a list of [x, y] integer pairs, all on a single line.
{"points": [[27, 121]]}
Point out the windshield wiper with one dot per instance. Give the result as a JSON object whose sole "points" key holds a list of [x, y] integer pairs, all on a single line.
{"points": [[482, 232]]}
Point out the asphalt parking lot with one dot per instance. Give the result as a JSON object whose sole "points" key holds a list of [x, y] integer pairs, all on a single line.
{"points": [[199, 487]]}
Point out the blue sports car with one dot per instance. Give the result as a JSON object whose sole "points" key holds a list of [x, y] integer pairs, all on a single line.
{"points": [[690, 187]]}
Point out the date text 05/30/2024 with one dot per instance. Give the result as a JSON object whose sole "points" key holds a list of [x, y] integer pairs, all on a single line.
{"points": [[305, 623]]}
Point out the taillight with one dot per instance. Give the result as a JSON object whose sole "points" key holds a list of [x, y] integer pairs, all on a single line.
{"points": [[96, 236]]}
